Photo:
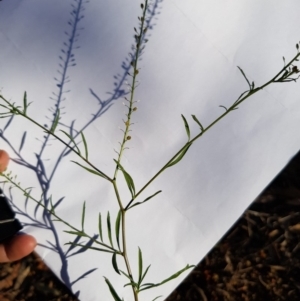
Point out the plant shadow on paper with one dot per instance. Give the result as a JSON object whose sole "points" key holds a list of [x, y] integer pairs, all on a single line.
{"points": [[41, 218]]}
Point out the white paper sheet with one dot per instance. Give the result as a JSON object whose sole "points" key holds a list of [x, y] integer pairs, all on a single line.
{"points": [[189, 67]]}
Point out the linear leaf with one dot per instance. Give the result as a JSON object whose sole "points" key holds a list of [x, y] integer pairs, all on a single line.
{"points": [[84, 246], [85, 146], [128, 179], [76, 240], [83, 217], [90, 247], [151, 285], [146, 200], [100, 227], [55, 122], [245, 77], [156, 298], [72, 139], [199, 123], [132, 283], [112, 290], [115, 264], [145, 273], [125, 274], [90, 170], [117, 227], [140, 258], [187, 128], [25, 104], [109, 229], [58, 202], [224, 108], [180, 155], [75, 233]]}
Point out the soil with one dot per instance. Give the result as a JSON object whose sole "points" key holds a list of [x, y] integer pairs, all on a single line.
{"points": [[257, 260]]}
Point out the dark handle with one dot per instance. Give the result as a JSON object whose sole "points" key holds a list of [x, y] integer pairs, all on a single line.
{"points": [[9, 225]]}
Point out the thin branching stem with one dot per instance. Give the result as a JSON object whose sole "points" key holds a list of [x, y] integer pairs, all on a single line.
{"points": [[284, 75], [230, 109], [52, 212], [17, 111]]}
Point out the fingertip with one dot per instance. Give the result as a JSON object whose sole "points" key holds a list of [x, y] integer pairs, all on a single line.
{"points": [[4, 159], [19, 247]]}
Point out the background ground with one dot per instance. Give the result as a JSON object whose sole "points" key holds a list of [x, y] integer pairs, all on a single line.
{"points": [[258, 259]]}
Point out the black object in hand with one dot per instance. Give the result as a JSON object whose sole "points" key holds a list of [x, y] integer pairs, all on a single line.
{"points": [[9, 226]]}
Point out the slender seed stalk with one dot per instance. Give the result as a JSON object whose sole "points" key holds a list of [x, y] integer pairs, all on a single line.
{"points": [[125, 139], [133, 86]]}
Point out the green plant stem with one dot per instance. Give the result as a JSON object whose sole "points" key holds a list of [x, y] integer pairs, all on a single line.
{"points": [[230, 109], [124, 244], [52, 212], [122, 148], [19, 112], [125, 255], [133, 86]]}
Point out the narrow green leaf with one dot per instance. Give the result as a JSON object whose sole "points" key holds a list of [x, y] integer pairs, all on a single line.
{"points": [[115, 264], [83, 217], [90, 170], [187, 128], [25, 103], [177, 274], [52, 210], [146, 200], [131, 284], [85, 146], [55, 122], [75, 233], [112, 290], [117, 227], [100, 227], [109, 229], [73, 141], [145, 273], [245, 77], [199, 123], [125, 274], [156, 298], [90, 247], [151, 285], [140, 258], [180, 155], [128, 179], [224, 108]]}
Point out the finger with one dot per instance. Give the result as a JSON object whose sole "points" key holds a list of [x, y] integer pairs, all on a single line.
{"points": [[4, 159], [17, 248]]}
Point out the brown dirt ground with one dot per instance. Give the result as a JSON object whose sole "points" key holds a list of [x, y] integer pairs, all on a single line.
{"points": [[257, 260]]}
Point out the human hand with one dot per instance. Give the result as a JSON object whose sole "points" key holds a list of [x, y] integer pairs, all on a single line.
{"points": [[20, 245]]}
